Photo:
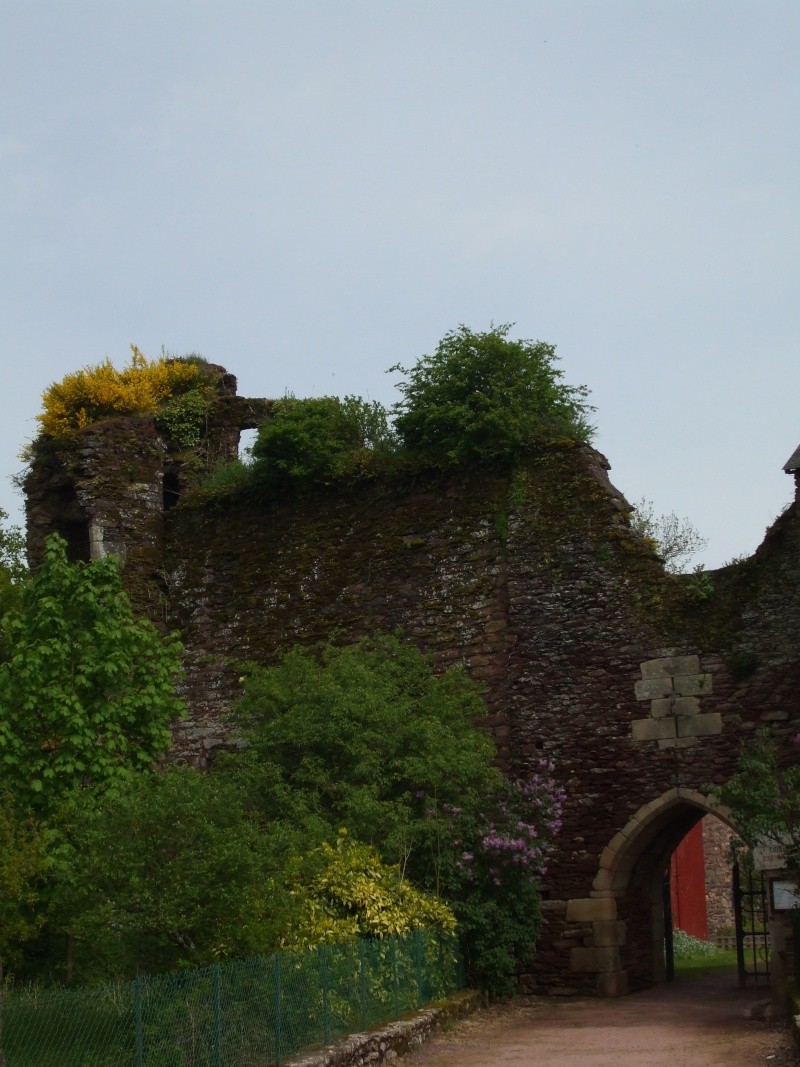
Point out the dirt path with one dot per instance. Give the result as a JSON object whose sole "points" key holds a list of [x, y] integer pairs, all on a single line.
{"points": [[693, 1022]]}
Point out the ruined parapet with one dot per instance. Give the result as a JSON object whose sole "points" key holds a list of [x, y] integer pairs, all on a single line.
{"points": [[792, 466], [106, 488]]}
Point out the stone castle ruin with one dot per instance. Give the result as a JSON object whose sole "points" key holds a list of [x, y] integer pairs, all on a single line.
{"points": [[640, 685]]}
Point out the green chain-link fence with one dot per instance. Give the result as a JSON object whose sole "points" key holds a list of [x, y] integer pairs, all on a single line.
{"points": [[250, 1013]]}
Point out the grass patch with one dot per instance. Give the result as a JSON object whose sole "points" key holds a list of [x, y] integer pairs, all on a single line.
{"points": [[718, 960], [693, 956]]}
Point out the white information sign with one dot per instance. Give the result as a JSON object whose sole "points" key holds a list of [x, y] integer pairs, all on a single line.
{"points": [[769, 856], [785, 896]]}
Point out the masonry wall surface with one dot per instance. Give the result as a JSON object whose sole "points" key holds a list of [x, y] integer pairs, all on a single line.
{"points": [[639, 685]]}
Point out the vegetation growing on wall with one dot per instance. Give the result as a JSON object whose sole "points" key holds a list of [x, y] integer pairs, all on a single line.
{"points": [[675, 540], [175, 389], [318, 440], [482, 395]]}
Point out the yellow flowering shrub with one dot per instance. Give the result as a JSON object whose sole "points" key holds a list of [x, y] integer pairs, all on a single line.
{"points": [[348, 891], [96, 392]]}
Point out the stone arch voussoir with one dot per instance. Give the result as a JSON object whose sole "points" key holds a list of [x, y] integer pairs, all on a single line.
{"points": [[619, 857]]}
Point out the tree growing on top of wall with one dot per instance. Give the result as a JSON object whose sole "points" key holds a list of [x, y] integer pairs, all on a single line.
{"points": [[483, 395], [178, 389], [675, 540], [319, 439], [87, 689]]}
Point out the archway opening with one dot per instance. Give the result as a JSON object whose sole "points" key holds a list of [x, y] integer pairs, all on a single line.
{"points": [[632, 873]]}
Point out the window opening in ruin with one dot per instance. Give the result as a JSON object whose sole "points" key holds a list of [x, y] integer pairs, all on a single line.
{"points": [[247, 439], [76, 534], [172, 489]]}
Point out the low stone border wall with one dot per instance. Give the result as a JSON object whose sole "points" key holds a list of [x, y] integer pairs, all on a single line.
{"points": [[389, 1042]]}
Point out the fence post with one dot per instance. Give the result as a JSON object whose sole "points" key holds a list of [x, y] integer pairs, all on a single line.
{"points": [[216, 1015], [419, 969], [362, 983], [277, 1005], [137, 1020], [326, 999], [395, 979]]}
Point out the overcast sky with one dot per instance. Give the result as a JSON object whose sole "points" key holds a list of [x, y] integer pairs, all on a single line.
{"points": [[310, 192]]}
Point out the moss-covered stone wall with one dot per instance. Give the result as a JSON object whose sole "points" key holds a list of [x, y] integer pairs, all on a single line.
{"points": [[639, 685]]}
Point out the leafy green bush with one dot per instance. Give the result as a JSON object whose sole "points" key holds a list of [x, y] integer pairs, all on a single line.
{"points": [[764, 796], [368, 738], [166, 870], [359, 737], [13, 570], [482, 396], [23, 862], [87, 689], [184, 417], [344, 891], [318, 440]]}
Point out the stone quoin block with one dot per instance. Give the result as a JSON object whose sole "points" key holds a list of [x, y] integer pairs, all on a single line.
{"points": [[700, 725], [594, 959], [652, 688], [652, 729], [686, 706], [591, 909], [612, 984], [692, 685], [608, 934], [669, 666], [659, 709], [677, 742]]}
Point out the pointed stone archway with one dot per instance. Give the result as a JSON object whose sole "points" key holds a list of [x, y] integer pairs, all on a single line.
{"points": [[625, 906]]}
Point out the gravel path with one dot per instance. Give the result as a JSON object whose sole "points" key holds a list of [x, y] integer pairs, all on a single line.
{"points": [[700, 1021]]}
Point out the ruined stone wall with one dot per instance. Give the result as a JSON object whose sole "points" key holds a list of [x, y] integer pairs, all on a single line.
{"points": [[639, 685], [717, 841]]}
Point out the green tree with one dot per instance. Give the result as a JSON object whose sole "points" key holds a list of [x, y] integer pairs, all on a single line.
{"points": [[13, 569], [319, 439], [362, 737], [482, 395], [87, 689], [675, 540], [167, 869], [764, 796], [24, 862]]}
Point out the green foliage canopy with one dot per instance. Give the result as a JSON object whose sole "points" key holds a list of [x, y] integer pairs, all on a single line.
{"points": [[482, 395], [87, 689], [358, 737], [166, 869], [319, 439], [764, 796], [24, 861], [13, 570]]}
